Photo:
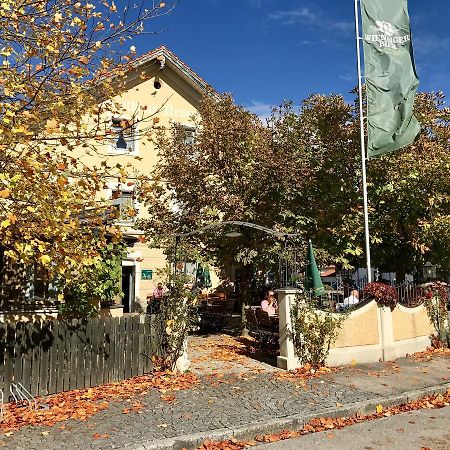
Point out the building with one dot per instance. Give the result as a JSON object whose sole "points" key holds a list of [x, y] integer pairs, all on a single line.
{"points": [[169, 92]]}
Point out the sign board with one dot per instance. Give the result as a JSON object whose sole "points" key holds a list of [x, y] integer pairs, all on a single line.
{"points": [[146, 274]]}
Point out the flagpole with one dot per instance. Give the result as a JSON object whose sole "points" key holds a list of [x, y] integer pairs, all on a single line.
{"points": [[363, 149]]}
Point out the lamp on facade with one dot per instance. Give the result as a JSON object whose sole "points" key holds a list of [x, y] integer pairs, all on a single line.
{"points": [[429, 271]]}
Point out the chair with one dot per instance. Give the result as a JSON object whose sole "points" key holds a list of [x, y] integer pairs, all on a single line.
{"points": [[213, 315], [266, 322]]}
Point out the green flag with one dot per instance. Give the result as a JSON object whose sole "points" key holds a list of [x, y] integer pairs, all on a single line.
{"points": [[391, 79], [313, 282]]}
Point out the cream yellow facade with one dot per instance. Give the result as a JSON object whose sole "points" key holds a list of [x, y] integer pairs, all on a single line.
{"points": [[161, 91]]}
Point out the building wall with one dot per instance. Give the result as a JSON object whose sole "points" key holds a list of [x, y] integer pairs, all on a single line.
{"points": [[175, 102]]}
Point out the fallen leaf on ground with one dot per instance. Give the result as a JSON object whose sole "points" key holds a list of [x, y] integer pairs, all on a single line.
{"points": [[323, 423]]}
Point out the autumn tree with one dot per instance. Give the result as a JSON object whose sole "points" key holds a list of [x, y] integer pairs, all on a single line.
{"points": [[302, 173], [62, 63], [408, 190], [409, 195], [229, 173]]}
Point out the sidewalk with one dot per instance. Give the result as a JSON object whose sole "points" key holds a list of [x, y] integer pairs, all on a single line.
{"points": [[240, 396]]}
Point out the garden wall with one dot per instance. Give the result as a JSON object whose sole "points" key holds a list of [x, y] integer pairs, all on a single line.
{"points": [[372, 333]]}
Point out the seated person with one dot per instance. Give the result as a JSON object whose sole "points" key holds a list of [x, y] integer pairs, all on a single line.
{"points": [[153, 301], [269, 304], [351, 300]]}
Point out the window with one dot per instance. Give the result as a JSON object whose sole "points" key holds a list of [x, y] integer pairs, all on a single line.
{"points": [[123, 136], [189, 134], [126, 204]]}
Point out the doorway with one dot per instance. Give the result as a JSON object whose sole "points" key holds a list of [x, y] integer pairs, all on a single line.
{"points": [[128, 277]]}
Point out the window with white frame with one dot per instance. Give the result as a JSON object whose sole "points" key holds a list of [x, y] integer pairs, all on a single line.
{"points": [[125, 200], [189, 134], [123, 133]]}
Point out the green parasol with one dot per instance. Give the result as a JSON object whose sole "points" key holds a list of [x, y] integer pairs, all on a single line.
{"points": [[207, 277], [313, 282]]}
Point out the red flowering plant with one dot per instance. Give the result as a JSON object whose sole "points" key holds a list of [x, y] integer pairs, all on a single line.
{"points": [[435, 297], [383, 294]]}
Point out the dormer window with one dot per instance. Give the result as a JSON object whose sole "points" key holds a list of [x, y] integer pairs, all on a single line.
{"points": [[123, 136]]}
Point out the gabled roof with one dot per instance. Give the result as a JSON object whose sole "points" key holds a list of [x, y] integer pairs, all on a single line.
{"points": [[165, 58]]}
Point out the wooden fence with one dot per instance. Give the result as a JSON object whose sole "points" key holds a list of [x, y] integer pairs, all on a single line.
{"points": [[54, 356]]}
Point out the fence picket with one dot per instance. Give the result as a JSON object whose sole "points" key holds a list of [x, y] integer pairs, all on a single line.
{"points": [[10, 355], [107, 351], [81, 353], [101, 352], [23, 374], [60, 336], [88, 354], [141, 356], [3, 330], [94, 354], [121, 349], [114, 345], [128, 347], [48, 372], [135, 347], [36, 337]]}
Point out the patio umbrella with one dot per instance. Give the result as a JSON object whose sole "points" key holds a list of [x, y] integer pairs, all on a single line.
{"points": [[207, 277], [313, 282], [200, 277]]}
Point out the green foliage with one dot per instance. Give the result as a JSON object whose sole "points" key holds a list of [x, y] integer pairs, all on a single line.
{"points": [[314, 330], [98, 284], [302, 173]]}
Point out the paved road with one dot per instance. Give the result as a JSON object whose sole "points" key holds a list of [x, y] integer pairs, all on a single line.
{"points": [[409, 431]]}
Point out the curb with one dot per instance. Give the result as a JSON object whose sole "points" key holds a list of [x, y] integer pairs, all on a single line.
{"points": [[291, 423]]}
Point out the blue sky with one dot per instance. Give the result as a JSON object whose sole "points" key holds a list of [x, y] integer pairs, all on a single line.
{"points": [[266, 51]]}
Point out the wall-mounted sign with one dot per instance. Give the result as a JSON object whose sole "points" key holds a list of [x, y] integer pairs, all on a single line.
{"points": [[146, 274]]}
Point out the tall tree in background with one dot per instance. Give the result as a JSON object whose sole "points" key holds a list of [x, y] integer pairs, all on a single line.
{"points": [[410, 195], [408, 190], [61, 61], [229, 173], [302, 174]]}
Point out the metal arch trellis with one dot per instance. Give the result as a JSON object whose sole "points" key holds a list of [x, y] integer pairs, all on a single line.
{"points": [[288, 261]]}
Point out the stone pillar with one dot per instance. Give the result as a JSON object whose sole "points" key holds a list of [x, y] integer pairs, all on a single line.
{"points": [[387, 334], [182, 364], [288, 359]]}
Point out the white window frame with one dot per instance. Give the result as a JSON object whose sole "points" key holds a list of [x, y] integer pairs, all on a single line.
{"points": [[124, 189], [191, 131], [132, 143]]}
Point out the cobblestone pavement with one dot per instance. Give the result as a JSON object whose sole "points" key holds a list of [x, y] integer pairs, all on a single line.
{"points": [[231, 399]]}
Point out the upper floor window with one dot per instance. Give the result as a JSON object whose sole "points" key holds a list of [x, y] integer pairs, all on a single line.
{"points": [[126, 204], [189, 134], [124, 138]]}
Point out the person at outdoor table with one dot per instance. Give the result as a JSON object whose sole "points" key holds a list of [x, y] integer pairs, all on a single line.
{"points": [[351, 300], [153, 300], [158, 292], [269, 304]]}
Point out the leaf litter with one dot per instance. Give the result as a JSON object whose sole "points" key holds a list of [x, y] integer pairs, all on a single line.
{"points": [[321, 424], [83, 403]]}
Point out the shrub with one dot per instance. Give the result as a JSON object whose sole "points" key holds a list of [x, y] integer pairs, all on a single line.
{"points": [[383, 294], [435, 297], [314, 330]]}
